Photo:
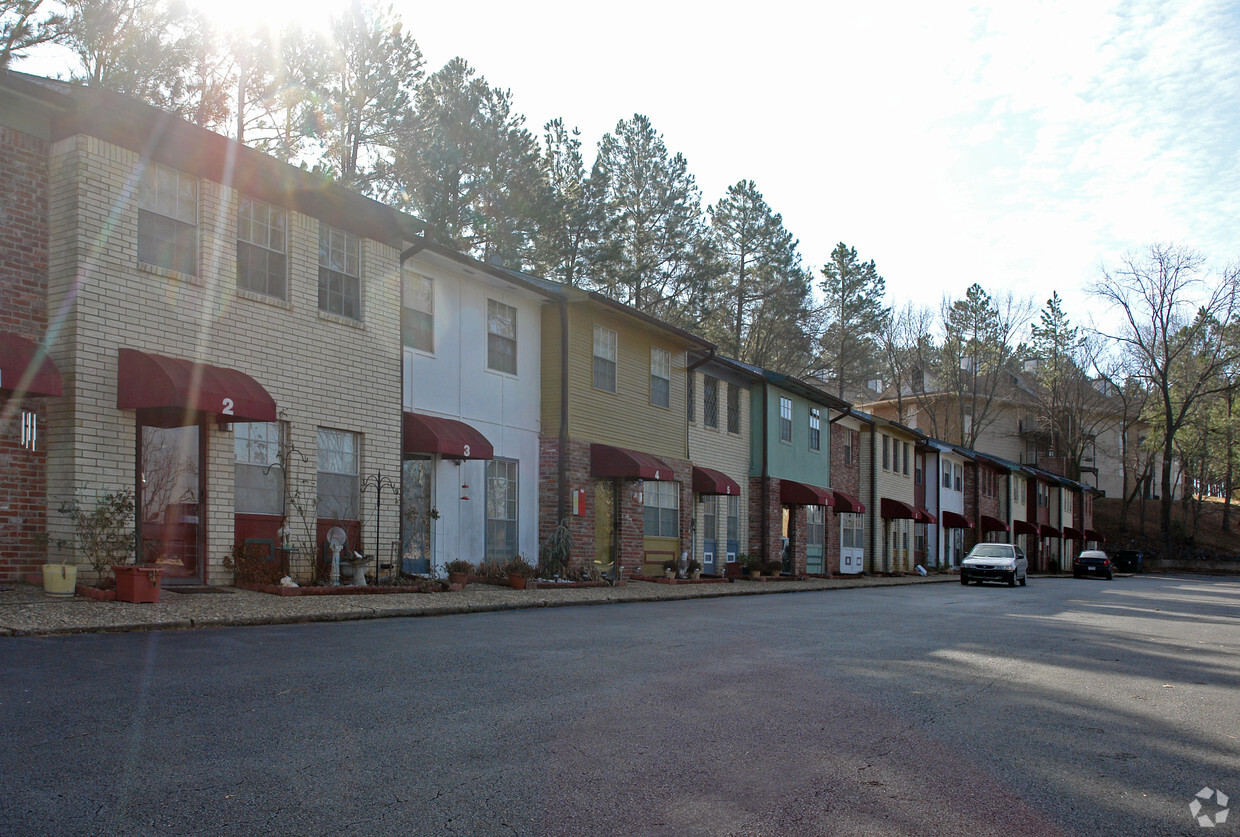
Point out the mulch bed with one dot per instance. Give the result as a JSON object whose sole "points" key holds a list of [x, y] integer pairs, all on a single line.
{"points": [[280, 590], [657, 579]]}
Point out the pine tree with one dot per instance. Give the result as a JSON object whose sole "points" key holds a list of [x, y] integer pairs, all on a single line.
{"points": [[855, 319], [25, 24], [569, 228]]}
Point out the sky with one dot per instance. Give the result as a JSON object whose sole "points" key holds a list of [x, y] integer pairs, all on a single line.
{"points": [[1022, 145]]}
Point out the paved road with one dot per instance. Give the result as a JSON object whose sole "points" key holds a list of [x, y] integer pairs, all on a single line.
{"points": [[1066, 707]]}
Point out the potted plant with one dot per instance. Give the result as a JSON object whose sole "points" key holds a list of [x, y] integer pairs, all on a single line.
{"points": [[753, 565], [520, 571], [773, 567], [104, 533], [137, 584], [495, 572], [695, 568], [458, 571], [669, 568]]}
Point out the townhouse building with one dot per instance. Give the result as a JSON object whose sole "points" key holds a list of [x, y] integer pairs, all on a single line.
{"points": [[846, 550], [945, 497], [888, 484], [227, 328]]}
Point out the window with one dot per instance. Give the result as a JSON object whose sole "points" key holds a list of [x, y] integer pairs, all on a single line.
{"points": [[691, 395], [257, 475], [501, 510], [785, 419], [338, 470], [662, 509], [710, 517], [417, 311], [919, 464], [604, 359], [904, 449], [848, 447], [734, 408], [886, 452], [815, 429], [919, 537], [660, 378], [262, 244], [501, 337], [734, 517], [947, 474], [959, 471], [340, 282], [710, 407], [168, 219]]}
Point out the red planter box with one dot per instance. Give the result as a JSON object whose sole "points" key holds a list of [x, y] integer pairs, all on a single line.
{"points": [[137, 584]]}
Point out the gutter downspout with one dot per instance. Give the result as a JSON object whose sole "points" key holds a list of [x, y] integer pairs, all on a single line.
{"points": [[405, 397], [874, 489], [690, 369], [562, 454], [766, 483]]}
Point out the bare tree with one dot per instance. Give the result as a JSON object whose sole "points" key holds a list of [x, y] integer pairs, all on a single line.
{"points": [[1169, 315]]}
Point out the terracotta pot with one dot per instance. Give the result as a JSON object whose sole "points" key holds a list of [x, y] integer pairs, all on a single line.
{"points": [[755, 573], [458, 578], [517, 581], [137, 584]]}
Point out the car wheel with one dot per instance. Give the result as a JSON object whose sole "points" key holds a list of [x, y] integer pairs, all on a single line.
{"points": [[1076, 575], [1012, 579], [1023, 579], [964, 579], [1110, 576]]}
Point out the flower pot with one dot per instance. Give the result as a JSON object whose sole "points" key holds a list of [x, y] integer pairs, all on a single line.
{"points": [[517, 582], [137, 584], [59, 579], [755, 573], [696, 574], [669, 573], [458, 578]]}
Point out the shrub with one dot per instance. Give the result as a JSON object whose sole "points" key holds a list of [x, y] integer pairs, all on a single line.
{"points": [[251, 566], [491, 569], [520, 566], [459, 566], [105, 533]]}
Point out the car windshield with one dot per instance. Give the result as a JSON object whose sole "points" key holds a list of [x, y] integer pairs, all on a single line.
{"points": [[991, 552]]}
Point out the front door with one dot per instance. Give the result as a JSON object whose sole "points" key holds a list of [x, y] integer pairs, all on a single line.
{"points": [[417, 516], [710, 533], [170, 490], [605, 527], [815, 539], [852, 551], [786, 531]]}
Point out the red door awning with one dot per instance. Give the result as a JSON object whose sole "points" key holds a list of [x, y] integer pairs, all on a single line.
{"points": [[1095, 535], [993, 524], [1024, 527], [956, 520], [1048, 531], [847, 504], [168, 389], [895, 510], [793, 493], [710, 481], [26, 368], [924, 516], [1071, 533], [443, 436], [609, 461]]}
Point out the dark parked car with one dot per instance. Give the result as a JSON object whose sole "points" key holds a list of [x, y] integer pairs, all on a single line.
{"points": [[1128, 561], [1092, 562]]}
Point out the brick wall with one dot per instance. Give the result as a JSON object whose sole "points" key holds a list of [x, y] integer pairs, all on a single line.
{"points": [[23, 312], [845, 477]]}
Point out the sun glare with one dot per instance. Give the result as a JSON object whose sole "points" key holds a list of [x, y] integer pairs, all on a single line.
{"points": [[267, 15]]}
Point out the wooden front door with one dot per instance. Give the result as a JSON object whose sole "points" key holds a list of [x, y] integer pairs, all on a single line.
{"points": [[605, 527]]}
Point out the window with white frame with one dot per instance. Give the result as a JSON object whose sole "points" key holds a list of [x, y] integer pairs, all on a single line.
{"points": [[919, 537], [947, 474], [848, 446], [417, 311], [661, 501], [710, 404], [734, 517], [340, 272], [660, 377], [959, 472], [919, 463], [905, 447], [815, 429], [604, 359], [710, 518], [338, 468], [501, 337], [886, 452], [501, 506], [785, 419], [168, 219], [851, 535], [262, 248], [258, 478]]}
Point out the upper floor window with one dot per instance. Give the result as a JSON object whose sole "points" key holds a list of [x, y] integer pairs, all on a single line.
{"points": [[340, 274], [604, 359], [660, 378], [959, 471], [815, 429], [886, 452], [734, 408], [262, 248], [947, 474], [337, 486], [710, 406], [785, 419], [848, 446], [168, 219], [904, 449], [691, 394], [918, 467], [501, 337], [417, 311]]}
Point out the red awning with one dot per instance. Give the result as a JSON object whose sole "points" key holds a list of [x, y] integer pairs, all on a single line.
{"points": [[1071, 533], [1048, 531], [847, 504], [1095, 535], [25, 367], [710, 481], [993, 524], [793, 493], [1024, 527], [956, 520], [608, 461], [895, 510], [444, 436], [169, 388], [924, 516]]}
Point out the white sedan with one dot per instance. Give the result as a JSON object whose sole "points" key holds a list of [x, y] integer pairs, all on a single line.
{"points": [[995, 562]]}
